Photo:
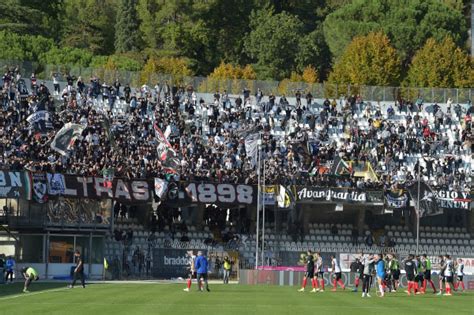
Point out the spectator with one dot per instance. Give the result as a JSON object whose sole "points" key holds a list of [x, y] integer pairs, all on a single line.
{"points": [[369, 239], [355, 237], [227, 265]]}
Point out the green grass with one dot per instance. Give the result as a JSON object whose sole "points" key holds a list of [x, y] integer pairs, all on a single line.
{"points": [[155, 298]]}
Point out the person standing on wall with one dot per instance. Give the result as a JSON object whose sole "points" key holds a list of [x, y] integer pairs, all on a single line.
{"points": [[78, 271]]}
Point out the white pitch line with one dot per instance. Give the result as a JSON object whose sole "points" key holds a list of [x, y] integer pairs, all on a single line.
{"points": [[30, 294]]}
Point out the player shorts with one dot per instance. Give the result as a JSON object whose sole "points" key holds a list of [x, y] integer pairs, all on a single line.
{"points": [[419, 278], [396, 274], [410, 277], [309, 274], [202, 276], [191, 274], [460, 278], [337, 275], [449, 279], [427, 275], [319, 274]]}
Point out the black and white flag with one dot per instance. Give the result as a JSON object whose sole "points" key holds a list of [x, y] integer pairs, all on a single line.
{"points": [[65, 137], [427, 200]]}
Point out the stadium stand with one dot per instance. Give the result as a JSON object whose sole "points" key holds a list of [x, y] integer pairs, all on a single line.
{"points": [[210, 132]]}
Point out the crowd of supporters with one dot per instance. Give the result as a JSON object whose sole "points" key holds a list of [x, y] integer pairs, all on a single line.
{"points": [[300, 141]]}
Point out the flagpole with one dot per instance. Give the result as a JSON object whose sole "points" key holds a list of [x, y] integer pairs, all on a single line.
{"points": [[258, 203], [263, 218], [418, 211]]}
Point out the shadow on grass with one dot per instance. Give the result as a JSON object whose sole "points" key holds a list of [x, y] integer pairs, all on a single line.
{"points": [[17, 287]]}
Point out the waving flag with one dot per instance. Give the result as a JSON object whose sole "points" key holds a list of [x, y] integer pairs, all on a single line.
{"points": [[251, 147], [65, 138], [340, 167], [428, 205], [168, 156]]}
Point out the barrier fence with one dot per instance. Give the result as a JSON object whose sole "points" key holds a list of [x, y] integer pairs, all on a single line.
{"points": [[236, 86]]}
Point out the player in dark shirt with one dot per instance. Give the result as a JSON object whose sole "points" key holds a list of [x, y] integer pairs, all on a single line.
{"points": [[309, 274], [411, 271], [78, 271], [358, 269]]}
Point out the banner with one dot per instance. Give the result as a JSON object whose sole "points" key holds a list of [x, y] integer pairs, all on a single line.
{"points": [[41, 120], [337, 195], [66, 211], [183, 194], [65, 138], [396, 199], [268, 195], [39, 188], [453, 199], [14, 184], [161, 187], [171, 263], [135, 190], [286, 198], [428, 204], [56, 185]]}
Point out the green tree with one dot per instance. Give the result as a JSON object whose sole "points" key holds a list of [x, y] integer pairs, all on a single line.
{"points": [[368, 60], [66, 56], [313, 50], [126, 27], [272, 42], [89, 24], [177, 28], [441, 64], [35, 17], [408, 23], [23, 47]]}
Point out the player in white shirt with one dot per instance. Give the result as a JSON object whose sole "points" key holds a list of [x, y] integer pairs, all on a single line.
{"points": [[448, 273], [191, 270], [460, 275], [319, 271], [336, 274]]}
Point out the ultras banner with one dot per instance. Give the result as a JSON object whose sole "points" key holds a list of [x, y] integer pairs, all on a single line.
{"points": [[180, 194], [15, 184], [308, 194], [453, 199]]}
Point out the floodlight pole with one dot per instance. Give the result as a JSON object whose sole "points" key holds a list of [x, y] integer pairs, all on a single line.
{"points": [[418, 211], [258, 203], [263, 218]]}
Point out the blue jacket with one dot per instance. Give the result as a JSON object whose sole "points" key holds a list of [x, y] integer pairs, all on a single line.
{"points": [[380, 268], [10, 264], [201, 265]]}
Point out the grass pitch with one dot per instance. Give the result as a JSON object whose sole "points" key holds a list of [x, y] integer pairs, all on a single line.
{"points": [[158, 298]]}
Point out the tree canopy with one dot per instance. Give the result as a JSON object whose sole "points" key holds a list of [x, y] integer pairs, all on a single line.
{"points": [[275, 39], [408, 23], [368, 60], [441, 64]]}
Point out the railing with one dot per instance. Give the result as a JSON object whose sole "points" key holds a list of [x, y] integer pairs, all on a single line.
{"points": [[235, 86]]}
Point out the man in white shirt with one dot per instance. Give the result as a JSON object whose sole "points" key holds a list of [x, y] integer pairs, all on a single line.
{"points": [[460, 275], [336, 274]]}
